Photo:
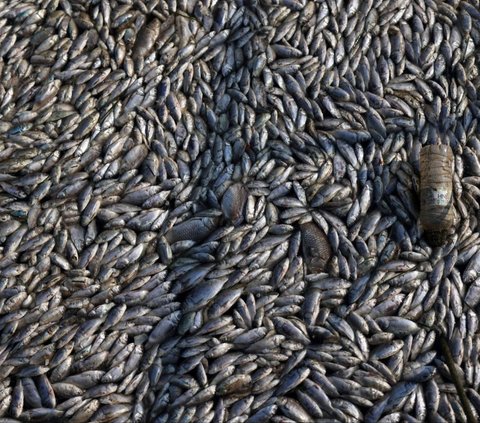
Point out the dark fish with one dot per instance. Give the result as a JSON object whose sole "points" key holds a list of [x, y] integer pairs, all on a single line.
{"points": [[316, 248], [233, 203], [195, 229]]}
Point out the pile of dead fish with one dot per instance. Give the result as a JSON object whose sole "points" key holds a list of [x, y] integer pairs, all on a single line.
{"points": [[209, 211]]}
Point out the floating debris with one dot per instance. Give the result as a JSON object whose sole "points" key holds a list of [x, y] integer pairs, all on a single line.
{"points": [[436, 192]]}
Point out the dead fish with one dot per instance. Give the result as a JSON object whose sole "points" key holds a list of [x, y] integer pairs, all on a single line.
{"points": [[195, 229], [233, 203], [315, 246]]}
